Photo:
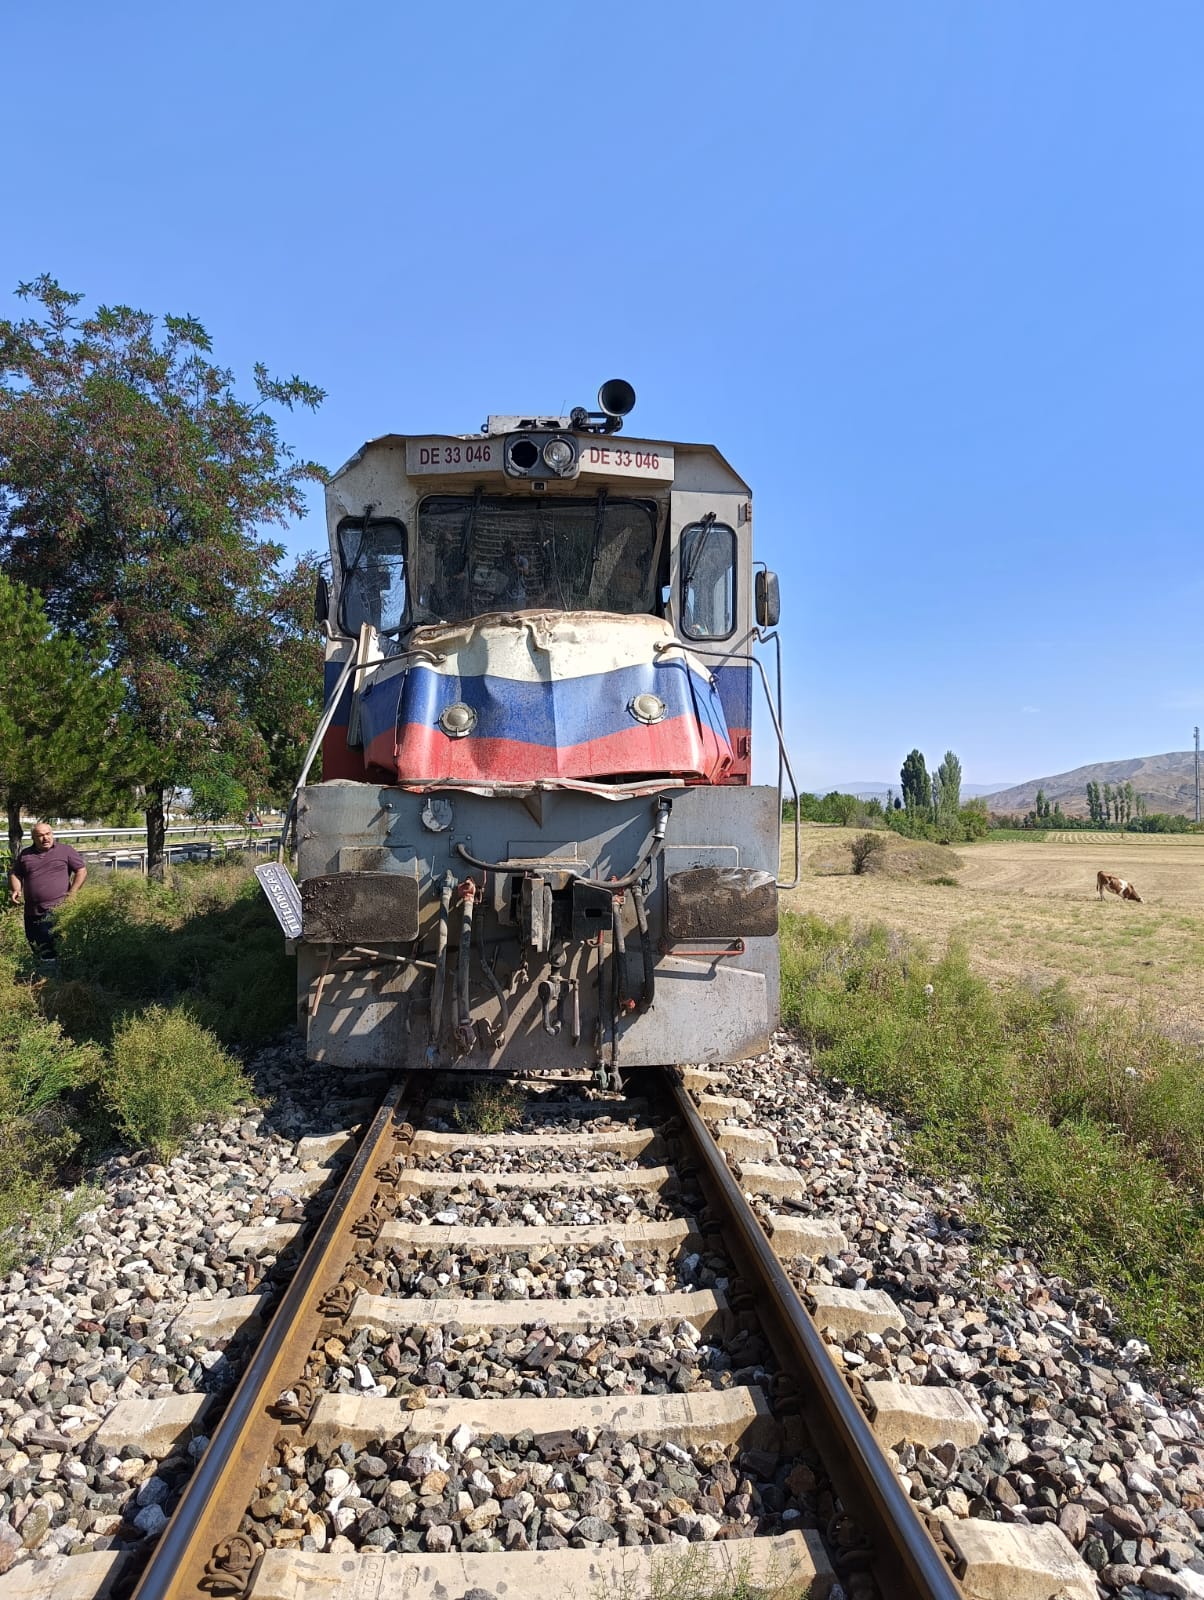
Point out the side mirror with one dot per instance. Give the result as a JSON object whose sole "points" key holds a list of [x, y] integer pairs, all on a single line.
{"points": [[768, 600], [322, 600]]}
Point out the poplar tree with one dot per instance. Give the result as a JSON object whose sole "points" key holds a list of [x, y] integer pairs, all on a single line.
{"points": [[917, 785], [949, 781], [133, 482]]}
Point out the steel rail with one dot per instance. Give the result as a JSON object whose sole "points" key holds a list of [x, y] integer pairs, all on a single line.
{"points": [[859, 1468], [223, 1484]]}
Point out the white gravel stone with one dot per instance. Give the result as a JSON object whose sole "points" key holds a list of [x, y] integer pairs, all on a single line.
{"points": [[1067, 1396], [91, 1326]]}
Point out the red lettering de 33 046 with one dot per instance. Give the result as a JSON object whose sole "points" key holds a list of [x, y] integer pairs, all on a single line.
{"points": [[459, 455], [602, 455]]}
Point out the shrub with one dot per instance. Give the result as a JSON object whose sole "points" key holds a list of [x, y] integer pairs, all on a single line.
{"points": [[205, 933], [167, 1074], [39, 1066], [975, 819], [863, 847]]}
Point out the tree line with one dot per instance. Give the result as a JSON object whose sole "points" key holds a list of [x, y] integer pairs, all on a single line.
{"points": [[928, 806], [150, 638], [1109, 806]]}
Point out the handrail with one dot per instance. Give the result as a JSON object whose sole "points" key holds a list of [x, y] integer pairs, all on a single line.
{"points": [[783, 754]]}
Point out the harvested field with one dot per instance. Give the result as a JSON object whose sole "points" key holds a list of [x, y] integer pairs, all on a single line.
{"points": [[1029, 909]]}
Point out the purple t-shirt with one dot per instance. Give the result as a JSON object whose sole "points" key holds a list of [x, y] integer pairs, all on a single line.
{"points": [[46, 875]]}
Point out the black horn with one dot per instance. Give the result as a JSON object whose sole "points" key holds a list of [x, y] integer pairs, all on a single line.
{"points": [[616, 397]]}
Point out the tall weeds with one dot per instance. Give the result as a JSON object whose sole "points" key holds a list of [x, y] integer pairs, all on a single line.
{"points": [[1084, 1129], [127, 1042]]}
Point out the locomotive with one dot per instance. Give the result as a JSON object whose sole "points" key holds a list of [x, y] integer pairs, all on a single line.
{"points": [[536, 842]]}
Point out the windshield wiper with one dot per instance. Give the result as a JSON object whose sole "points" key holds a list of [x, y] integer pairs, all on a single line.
{"points": [[599, 520], [706, 526]]}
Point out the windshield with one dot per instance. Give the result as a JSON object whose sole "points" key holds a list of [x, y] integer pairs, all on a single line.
{"points": [[500, 553]]}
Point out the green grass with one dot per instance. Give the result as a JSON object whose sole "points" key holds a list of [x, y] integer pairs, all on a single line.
{"points": [[1083, 1129], [491, 1107], [690, 1575], [129, 1042], [206, 937]]}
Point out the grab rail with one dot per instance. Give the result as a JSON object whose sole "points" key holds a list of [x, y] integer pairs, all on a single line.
{"points": [[783, 755]]}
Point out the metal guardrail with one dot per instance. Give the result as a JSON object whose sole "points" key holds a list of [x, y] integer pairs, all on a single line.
{"points": [[194, 832], [257, 843]]}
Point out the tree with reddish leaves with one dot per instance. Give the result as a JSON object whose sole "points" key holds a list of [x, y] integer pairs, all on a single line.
{"points": [[133, 482]]}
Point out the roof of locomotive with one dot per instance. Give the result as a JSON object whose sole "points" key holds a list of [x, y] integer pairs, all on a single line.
{"points": [[678, 445]]}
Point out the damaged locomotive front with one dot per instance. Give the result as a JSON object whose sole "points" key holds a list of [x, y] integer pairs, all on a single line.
{"points": [[536, 842]]}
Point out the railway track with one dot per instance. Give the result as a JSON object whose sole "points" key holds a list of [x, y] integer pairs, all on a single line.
{"points": [[563, 1361]]}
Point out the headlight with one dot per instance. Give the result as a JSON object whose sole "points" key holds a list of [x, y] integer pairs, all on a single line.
{"points": [[458, 720], [558, 455], [647, 708]]}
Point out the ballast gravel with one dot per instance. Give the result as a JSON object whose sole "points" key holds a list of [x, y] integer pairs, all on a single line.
{"points": [[1081, 1431], [510, 1274], [531, 1493], [577, 1160], [90, 1324], [469, 1207], [450, 1361]]}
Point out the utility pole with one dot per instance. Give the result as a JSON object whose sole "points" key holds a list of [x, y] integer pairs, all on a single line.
{"points": [[1197, 774]]}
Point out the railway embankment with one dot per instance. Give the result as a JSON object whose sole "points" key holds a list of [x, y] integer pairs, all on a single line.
{"points": [[1043, 1410], [1075, 1428], [131, 1038]]}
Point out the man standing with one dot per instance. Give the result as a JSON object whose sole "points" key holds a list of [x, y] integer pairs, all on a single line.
{"points": [[44, 875]]}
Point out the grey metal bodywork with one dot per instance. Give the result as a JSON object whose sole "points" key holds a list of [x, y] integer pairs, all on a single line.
{"points": [[371, 1007]]}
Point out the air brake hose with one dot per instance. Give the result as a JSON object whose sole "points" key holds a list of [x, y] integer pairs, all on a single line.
{"points": [[503, 1024], [611, 885], [467, 894], [618, 944], [437, 987], [646, 952]]}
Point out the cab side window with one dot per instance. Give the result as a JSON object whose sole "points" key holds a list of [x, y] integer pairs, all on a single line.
{"points": [[373, 576], [708, 580]]}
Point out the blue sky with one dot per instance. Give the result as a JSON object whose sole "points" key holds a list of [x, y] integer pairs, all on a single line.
{"points": [[930, 275]]}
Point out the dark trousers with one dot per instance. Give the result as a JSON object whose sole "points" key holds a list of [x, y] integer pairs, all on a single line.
{"points": [[39, 930]]}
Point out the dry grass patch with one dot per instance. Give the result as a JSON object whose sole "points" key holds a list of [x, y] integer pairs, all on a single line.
{"points": [[1029, 910], [835, 855]]}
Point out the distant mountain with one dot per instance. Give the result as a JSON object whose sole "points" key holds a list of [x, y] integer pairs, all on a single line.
{"points": [[1166, 783], [969, 790]]}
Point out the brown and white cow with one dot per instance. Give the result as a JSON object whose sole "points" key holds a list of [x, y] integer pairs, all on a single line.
{"points": [[1115, 885]]}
